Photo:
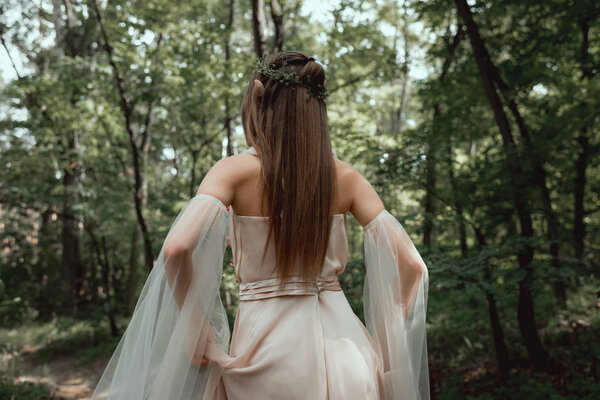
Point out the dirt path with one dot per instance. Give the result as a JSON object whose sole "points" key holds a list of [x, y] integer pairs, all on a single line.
{"points": [[66, 375]]}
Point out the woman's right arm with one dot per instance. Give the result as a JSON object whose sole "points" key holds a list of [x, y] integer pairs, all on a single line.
{"points": [[365, 202], [366, 205], [394, 296]]}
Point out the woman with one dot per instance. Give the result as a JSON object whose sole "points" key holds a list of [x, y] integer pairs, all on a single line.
{"points": [[283, 204]]}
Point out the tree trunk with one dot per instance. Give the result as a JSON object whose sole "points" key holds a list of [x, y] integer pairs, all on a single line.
{"points": [[132, 283], [71, 233], [114, 331], [277, 15], [72, 263], [228, 123], [145, 147], [258, 26], [405, 73], [70, 44], [583, 153], [431, 161], [539, 179], [526, 313], [45, 250], [502, 357], [553, 232], [127, 116], [102, 259], [59, 49], [430, 179], [193, 178], [397, 112], [579, 195], [462, 232], [402, 109]]}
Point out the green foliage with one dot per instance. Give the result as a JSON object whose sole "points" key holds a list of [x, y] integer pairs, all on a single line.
{"points": [[407, 108], [352, 283], [87, 339], [24, 390], [522, 386]]}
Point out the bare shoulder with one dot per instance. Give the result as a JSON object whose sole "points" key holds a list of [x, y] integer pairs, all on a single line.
{"points": [[365, 202], [227, 174], [345, 173]]}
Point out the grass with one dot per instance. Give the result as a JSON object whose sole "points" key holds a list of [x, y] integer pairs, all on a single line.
{"points": [[88, 340], [24, 390]]}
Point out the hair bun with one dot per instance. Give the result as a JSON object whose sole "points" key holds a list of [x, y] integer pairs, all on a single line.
{"points": [[259, 88]]}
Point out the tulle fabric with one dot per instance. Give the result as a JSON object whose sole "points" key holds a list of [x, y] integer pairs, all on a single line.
{"points": [[179, 316], [395, 305]]}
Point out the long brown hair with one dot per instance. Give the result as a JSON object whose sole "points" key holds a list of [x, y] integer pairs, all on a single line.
{"points": [[298, 179]]}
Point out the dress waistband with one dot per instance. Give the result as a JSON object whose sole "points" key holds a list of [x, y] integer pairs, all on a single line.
{"points": [[295, 286]]}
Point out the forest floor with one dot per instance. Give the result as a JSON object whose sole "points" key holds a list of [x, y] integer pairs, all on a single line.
{"points": [[65, 375], [63, 358], [60, 359]]}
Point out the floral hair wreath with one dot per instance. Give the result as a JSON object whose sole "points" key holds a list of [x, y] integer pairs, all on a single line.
{"points": [[268, 69]]}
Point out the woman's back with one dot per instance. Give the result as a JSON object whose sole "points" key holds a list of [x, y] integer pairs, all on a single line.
{"points": [[236, 181], [248, 234], [246, 198]]}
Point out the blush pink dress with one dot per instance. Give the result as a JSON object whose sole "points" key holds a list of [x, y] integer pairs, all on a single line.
{"points": [[295, 343], [292, 342]]}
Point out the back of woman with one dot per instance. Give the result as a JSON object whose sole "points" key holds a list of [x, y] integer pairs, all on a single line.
{"points": [[283, 206]]}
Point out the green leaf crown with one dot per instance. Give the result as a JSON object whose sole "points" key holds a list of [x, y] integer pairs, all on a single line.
{"points": [[290, 79]]}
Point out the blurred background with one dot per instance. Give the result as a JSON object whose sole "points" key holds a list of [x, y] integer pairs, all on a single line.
{"points": [[476, 121]]}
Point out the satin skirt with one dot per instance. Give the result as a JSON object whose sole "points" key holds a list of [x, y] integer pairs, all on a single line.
{"points": [[299, 347]]}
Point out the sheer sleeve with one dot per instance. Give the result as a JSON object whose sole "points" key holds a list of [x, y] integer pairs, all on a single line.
{"points": [[179, 325], [395, 304]]}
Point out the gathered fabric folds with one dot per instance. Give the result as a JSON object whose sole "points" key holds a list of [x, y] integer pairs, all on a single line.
{"points": [[178, 317], [395, 305]]}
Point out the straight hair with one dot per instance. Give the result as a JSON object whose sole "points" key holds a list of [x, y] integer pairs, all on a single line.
{"points": [[298, 178]]}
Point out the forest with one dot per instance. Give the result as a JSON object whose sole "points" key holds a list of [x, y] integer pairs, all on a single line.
{"points": [[476, 121]]}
